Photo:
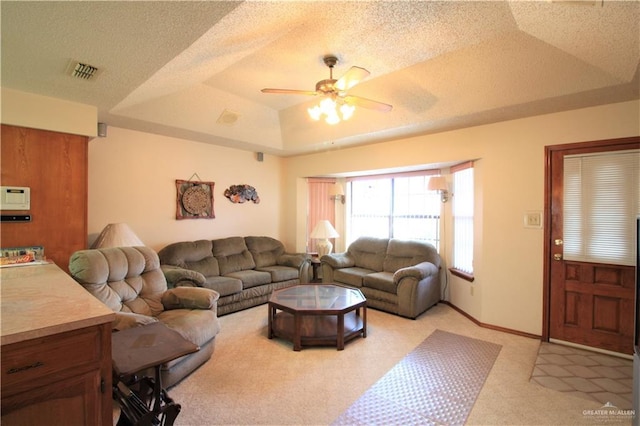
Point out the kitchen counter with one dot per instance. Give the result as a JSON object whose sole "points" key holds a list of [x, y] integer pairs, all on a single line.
{"points": [[42, 300]]}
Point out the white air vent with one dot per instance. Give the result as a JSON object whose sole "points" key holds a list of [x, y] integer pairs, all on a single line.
{"points": [[228, 118], [82, 71]]}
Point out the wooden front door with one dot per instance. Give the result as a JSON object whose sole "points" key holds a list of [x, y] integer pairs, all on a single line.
{"points": [[587, 303]]}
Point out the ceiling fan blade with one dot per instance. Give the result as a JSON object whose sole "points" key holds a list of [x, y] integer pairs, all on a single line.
{"points": [[290, 92], [367, 103], [352, 77]]}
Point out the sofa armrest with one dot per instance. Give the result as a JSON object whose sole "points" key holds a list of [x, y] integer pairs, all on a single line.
{"points": [[190, 298], [177, 276], [419, 272], [294, 260], [338, 260], [126, 320]]}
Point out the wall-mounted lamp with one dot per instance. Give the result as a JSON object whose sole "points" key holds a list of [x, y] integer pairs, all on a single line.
{"points": [[336, 193], [439, 183]]}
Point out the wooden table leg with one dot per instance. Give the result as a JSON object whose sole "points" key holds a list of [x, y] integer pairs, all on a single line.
{"points": [[364, 321], [270, 319], [297, 339], [340, 336]]}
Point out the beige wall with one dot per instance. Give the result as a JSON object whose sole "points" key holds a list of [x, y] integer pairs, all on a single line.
{"points": [[41, 112], [508, 257], [132, 179]]}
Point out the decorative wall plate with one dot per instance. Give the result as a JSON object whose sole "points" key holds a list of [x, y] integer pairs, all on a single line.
{"points": [[194, 199]]}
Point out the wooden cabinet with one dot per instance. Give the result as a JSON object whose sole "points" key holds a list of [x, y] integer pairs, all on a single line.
{"points": [[56, 350], [59, 379], [55, 166]]}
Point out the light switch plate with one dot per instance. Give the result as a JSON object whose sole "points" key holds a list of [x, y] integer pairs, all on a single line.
{"points": [[533, 219]]}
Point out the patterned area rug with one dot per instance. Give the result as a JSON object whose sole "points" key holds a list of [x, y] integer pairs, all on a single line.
{"points": [[437, 383]]}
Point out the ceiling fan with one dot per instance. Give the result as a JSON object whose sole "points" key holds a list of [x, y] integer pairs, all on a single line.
{"points": [[335, 94]]}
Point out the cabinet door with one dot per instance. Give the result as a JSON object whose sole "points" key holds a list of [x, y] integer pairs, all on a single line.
{"points": [[55, 166], [61, 379], [68, 402]]}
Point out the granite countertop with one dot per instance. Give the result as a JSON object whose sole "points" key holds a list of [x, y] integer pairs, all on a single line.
{"points": [[42, 300]]}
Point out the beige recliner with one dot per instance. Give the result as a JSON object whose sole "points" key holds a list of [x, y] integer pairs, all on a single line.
{"points": [[130, 282]]}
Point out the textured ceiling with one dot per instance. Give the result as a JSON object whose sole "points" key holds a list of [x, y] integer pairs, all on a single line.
{"points": [[183, 68]]}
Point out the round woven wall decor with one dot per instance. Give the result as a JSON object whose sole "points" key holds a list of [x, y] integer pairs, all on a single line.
{"points": [[195, 200]]}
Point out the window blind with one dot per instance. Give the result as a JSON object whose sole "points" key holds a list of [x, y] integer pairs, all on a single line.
{"points": [[463, 219], [601, 202]]}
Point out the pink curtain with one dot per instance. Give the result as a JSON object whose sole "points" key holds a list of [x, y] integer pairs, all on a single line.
{"points": [[320, 206]]}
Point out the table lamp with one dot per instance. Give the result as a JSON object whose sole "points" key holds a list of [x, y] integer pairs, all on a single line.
{"points": [[322, 232], [117, 235]]}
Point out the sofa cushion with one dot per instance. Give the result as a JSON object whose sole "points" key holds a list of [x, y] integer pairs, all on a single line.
{"points": [[190, 298], [185, 251], [351, 276], [176, 274], [280, 273], [223, 285], [380, 281], [265, 250], [251, 278], [401, 254], [207, 266], [126, 320], [232, 255], [197, 326], [369, 252]]}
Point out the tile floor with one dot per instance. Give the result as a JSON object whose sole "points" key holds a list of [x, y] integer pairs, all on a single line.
{"points": [[585, 374]]}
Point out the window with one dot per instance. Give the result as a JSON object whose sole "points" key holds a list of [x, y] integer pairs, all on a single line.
{"points": [[393, 206], [463, 220], [601, 202]]}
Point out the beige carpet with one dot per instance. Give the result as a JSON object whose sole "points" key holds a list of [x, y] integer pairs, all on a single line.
{"points": [[252, 380], [437, 383]]}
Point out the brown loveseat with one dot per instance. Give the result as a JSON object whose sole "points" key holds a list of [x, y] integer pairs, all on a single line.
{"points": [[243, 270], [130, 282], [397, 276]]}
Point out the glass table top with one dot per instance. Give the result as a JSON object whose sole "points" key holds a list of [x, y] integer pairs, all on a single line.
{"points": [[317, 297]]}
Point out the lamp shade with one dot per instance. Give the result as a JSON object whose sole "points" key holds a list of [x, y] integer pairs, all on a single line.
{"points": [[324, 230], [437, 183], [117, 235]]}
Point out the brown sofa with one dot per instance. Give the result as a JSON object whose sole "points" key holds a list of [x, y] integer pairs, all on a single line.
{"points": [[130, 282], [243, 270], [397, 276]]}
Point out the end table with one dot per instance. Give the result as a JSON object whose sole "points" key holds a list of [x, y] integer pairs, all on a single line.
{"points": [[136, 349]]}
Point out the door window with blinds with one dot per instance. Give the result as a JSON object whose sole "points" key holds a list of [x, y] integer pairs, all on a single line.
{"points": [[601, 203], [394, 206]]}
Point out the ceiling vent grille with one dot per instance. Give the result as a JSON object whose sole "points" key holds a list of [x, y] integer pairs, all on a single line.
{"points": [[84, 71]]}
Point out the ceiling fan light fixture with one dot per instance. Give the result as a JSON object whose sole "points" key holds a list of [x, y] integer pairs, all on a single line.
{"points": [[347, 111], [315, 112], [329, 108], [336, 105]]}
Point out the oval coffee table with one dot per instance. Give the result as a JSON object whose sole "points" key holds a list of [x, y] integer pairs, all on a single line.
{"points": [[322, 314]]}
